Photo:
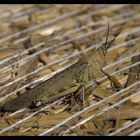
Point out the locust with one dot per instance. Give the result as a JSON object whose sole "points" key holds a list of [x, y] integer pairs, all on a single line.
{"points": [[64, 83]]}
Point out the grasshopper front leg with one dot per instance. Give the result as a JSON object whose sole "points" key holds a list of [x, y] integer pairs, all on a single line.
{"points": [[114, 82]]}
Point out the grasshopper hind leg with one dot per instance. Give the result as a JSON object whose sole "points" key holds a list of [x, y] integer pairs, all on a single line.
{"points": [[77, 100]]}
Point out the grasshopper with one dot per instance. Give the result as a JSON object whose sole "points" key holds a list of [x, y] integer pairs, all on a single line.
{"points": [[64, 83]]}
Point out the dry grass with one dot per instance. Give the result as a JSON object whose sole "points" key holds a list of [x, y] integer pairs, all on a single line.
{"points": [[61, 34]]}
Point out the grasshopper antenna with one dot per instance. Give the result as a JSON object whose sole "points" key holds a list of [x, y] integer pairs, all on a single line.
{"points": [[107, 45], [112, 40], [107, 37]]}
